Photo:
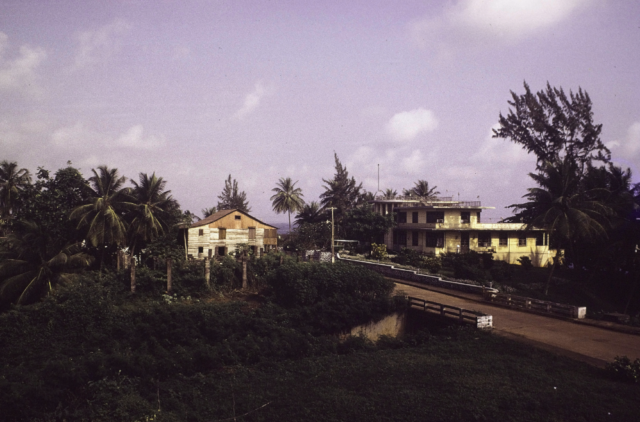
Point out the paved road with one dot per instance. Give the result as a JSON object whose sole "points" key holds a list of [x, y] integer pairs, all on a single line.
{"points": [[583, 342]]}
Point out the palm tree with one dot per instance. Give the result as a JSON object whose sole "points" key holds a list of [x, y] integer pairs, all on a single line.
{"points": [[288, 198], [152, 205], [565, 207], [423, 190], [390, 194], [309, 214], [206, 212], [12, 181], [30, 261], [103, 215]]}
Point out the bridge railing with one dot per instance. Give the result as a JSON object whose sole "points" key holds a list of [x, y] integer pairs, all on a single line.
{"points": [[535, 305], [479, 319]]}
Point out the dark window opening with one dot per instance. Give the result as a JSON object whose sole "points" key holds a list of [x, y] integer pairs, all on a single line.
{"points": [[435, 240], [402, 217], [201, 249], [465, 217], [414, 217], [222, 251], [542, 239], [522, 239], [464, 239], [484, 239], [435, 217], [238, 217], [478, 215], [201, 232], [400, 237], [414, 240], [504, 239]]}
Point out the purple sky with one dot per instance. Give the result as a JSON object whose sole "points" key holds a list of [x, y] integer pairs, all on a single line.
{"points": [[198, 90]]}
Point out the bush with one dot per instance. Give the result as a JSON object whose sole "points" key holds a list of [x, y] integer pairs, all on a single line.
{"points": [[432, 263], [624, 370], [525, 262], [379, 251], [408, 256]]}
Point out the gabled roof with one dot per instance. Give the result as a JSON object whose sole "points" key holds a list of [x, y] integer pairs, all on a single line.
{"points": [[223, 213]]}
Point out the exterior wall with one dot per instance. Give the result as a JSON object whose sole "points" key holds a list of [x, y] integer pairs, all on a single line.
{"points": [[237, 232], [452, 229]]}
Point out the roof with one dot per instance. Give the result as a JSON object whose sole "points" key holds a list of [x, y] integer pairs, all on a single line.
{"points": [[223, 213]]}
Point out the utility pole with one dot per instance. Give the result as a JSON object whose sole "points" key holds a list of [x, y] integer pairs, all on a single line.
{"points": [[333, 255]]}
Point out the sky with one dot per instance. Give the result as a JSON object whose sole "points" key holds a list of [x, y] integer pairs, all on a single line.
{"points": [[263, 90]]}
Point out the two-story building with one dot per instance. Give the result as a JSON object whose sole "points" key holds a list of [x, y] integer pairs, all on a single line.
{"points": [[440, 225], [220, 233]]}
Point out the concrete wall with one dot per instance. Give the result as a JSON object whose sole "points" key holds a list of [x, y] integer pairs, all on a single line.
{"points": [[392, 325]]}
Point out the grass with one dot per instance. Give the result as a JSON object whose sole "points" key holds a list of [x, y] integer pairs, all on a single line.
{"points": [[458, 375]]}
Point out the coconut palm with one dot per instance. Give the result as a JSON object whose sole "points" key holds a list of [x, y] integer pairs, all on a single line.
{"points": [[151, 210], [103, 215], [310, 214], [31, 261], [288, 198], [390, 194], [565, 207], [423, 190], [206, 212], [12, 181]]}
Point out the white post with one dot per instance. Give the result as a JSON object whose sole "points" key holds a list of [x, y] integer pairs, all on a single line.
{"points": [[333, 259]]}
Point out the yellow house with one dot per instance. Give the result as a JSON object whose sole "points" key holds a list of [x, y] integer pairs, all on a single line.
{"points": [[440, 225], [218, 234]]}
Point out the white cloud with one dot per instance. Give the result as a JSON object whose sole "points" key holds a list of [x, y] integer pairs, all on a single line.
{"points": [[19, 74], [101, 44], [501, 151], [478, 21], [407, 125], [414, 163], [252, 100], [134, 138]]}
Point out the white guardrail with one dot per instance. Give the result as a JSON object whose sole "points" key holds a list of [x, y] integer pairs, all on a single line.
{"points": [[479, 319], [535, 305]]}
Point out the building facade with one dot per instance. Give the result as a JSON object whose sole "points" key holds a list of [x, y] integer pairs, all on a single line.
{"points": [[441, 225], [220, 233]]}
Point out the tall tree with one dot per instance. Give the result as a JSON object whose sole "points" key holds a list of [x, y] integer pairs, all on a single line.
{"points": [[152, 210], [552, 125], [366, 225], [12, 181], [390, 193], [206, 212], [32, 262], [102, 216], [423, 190], [287, 198], [231, 198], [562, 205], [341, 192], [310, 214]]}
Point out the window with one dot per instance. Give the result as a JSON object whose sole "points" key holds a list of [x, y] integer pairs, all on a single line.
{"points": [[464, 239], [222, 251], [238, 217], [435, 240], [484, 239], [222, 234], [414, 217], [522, 239], [465, 217], [504, 239], [400, 237], [415, 238], [252, 233], [542, 239], [478, 216], [201, 249], [402, 217], [270, 233], [435, 217], [201, 232]]}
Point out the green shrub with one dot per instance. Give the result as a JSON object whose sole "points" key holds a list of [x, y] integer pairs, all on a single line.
{"points": [[623, 369], [432, 263], [379, 251], [408, 256], [525, 262]]}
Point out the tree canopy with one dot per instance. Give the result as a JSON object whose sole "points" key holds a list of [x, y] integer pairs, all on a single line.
{"points": [[12, 182], [342, 192], [552, 125], [287, 197], [232, 198]]}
